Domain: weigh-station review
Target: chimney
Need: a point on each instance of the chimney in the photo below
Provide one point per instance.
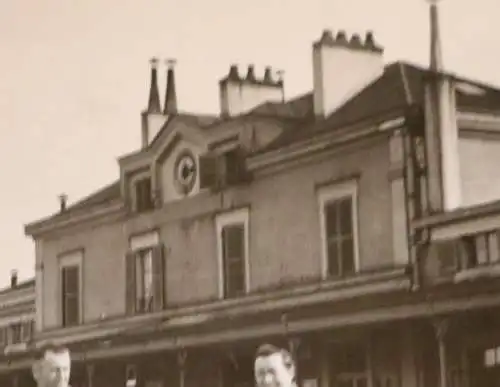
(13, 278)
(152, 117)
(239, 95)
(170, 93)
(63, 199)
(441, 130)
(342, 67)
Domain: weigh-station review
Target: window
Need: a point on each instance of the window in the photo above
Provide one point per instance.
(3, 336)
(478, 250)
(143, 194)
(492, 357)
(145, 274)
(70, 282)
(339, 229)
(351, 367)
(16, 334)
(232, 241)
(28, 328)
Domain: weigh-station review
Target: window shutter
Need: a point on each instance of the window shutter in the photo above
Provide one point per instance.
(208, 170)
(27, 331)
(235, 166)
(130, 292)
(158, 278)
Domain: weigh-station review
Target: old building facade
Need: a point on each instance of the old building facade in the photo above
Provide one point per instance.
(17, 318)
(348, 224)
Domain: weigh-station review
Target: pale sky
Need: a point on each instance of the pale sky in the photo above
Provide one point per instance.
(74, 77)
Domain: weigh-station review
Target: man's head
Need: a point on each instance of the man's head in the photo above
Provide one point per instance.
(52, 366)
(274, 367)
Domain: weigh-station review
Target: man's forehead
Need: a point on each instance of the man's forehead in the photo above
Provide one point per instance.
(267, 360)
(60, 358)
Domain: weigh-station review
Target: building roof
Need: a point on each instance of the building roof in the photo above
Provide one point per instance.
(20, 286)
(401, 85)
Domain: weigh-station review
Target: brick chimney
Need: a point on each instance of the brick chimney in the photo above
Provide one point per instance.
(342, 67)
(240, 94)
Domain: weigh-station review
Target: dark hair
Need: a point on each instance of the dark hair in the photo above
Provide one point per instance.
(269, 349)
(40, 352)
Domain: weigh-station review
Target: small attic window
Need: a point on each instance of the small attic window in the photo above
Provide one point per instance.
(143, 195)
(469, 89)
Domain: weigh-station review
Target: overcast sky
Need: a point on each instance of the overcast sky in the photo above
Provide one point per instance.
(74, 77)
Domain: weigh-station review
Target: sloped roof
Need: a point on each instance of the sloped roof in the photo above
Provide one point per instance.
(400, 85)
(21, 285)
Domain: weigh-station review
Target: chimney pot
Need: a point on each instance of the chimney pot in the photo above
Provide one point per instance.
(327, 37)
(170, 63)
(268, 76)
(341, 37)
(233, 73)
(356, 41)
(63, 198)
(251, 74)
(369, 40)
(170, 104)
(13, 278)
(154, 62)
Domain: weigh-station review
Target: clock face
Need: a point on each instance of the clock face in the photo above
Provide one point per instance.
(185, 172)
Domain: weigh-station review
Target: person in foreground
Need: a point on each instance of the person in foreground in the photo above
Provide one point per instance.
(52, 366)
(274, 367)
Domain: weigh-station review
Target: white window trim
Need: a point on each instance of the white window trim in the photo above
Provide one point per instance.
(74, 258)
(224, 220)
(331, 193)
(145, 240)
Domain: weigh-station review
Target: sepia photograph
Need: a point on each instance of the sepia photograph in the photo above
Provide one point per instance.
(275, 193)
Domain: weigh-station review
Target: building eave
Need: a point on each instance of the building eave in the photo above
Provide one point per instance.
(35, 229)
(323, 141)
(363, 285)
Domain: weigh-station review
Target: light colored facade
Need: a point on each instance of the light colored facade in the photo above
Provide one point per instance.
(311, 222)
(17, 317)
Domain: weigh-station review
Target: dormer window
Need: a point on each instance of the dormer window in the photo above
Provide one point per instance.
(223, 169)
(143, 195)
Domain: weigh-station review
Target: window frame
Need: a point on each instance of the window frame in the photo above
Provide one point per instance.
(233, 218)
(71, 259)
(133, 187)
(332, 193)
(140, 244)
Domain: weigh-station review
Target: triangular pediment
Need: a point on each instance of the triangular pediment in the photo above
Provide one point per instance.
(178, 133)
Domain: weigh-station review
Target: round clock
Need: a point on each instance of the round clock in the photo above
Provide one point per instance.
(185, 171)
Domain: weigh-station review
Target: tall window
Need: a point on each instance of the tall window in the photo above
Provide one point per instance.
(338, 212)
(144, 280)
(145, 275)
(70, 276)
(233, 258)
(232, 229)
(143, 194)
(70, 288)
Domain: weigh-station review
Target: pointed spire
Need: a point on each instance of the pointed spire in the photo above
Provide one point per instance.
(436, 60)
(154, 95)
(170, 93)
